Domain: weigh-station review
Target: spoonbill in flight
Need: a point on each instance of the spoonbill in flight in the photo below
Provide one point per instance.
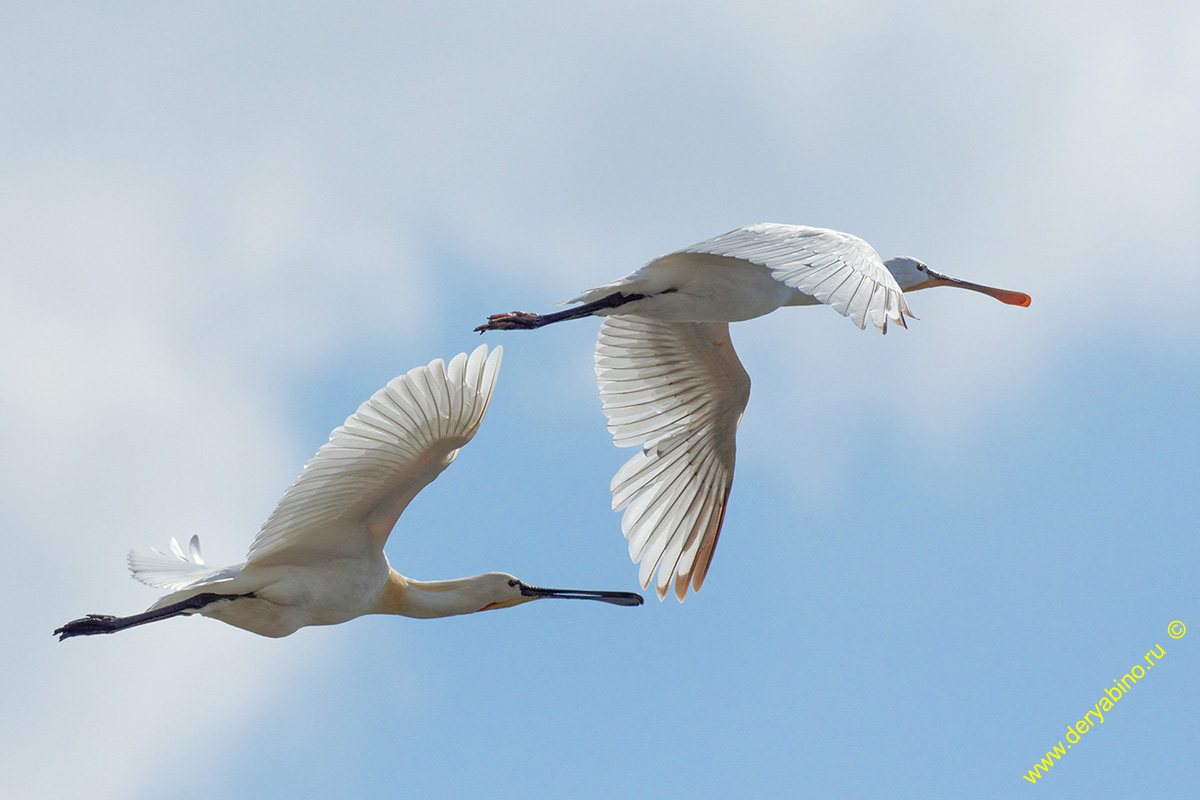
(318, 559)
(672, 384)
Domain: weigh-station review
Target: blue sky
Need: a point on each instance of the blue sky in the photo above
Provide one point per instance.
(222, 228)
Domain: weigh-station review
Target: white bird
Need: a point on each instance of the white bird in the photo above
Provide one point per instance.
(318, 559)
(672, 384)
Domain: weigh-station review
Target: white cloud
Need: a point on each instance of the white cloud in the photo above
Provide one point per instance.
(144, 351)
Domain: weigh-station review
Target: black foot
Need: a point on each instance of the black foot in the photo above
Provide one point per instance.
(91, 624)
(513, 321)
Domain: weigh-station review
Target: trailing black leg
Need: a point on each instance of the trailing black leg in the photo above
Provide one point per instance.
(520, 320)
(104, 623)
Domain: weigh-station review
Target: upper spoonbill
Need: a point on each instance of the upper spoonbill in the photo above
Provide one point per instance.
(671, 382)
(318, 559)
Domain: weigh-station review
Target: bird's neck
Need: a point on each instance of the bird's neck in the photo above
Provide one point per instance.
(427, 599)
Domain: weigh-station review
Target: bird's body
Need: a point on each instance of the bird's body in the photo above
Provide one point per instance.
(672, 384)
(318, 559)
(277, 600)
(755, 270)
(699, 288)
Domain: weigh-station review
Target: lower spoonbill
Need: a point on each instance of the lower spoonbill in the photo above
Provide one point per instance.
(672, 384)
(318, 559)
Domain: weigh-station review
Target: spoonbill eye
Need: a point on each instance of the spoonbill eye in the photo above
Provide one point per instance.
(513, 582)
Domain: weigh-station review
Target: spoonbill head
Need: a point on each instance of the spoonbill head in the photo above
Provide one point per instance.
(673, 387)
(318, 559)
(913, 275)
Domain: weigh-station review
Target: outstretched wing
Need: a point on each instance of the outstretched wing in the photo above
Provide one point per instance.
(678, 390)
(838, 269)
(350, 494)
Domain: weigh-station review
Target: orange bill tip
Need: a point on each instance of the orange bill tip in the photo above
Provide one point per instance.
(1013, 298)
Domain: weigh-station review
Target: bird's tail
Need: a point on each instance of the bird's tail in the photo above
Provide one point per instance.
(171, 571)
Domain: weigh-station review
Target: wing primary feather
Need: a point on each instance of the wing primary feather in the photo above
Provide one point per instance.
(666, 545)
(678, 559)
(455, 374)
(664, 493)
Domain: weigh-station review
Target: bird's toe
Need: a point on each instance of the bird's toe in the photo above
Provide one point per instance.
(86, 626)
(514, 320)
